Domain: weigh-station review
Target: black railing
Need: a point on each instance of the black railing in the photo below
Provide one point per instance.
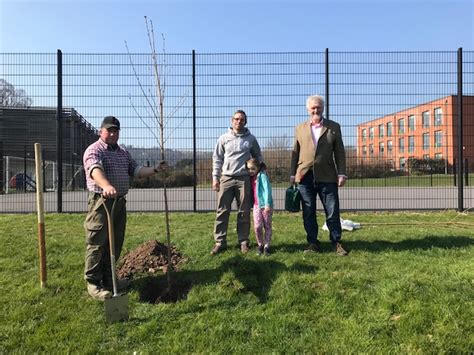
(202, 90)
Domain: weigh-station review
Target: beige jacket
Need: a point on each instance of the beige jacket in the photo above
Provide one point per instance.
(328, 159)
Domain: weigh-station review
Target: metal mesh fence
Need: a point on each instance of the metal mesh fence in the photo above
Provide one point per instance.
(399, 112)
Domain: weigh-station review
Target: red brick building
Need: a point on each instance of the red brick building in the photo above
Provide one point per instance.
(426, 131)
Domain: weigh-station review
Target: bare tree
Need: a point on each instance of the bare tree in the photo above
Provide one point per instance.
(160, 118)
(11, 97)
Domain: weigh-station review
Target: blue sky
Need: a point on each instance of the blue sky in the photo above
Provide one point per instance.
(236, 26)
(220, 26)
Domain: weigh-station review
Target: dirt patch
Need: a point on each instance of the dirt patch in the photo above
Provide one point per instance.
(156, 290)
(150, 257)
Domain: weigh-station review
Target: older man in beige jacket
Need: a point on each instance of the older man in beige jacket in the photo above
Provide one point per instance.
(318, 165)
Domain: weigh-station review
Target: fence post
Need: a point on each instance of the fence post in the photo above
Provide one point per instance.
(44, 172)
(7, 174)
(454, 172)
(59, 131)
(327, 83)
(466, 172)
(194, 136)
(2, 183)
(460, 129)
(23, 185)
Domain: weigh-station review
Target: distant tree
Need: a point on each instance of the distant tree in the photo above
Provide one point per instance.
(279, 143)
(11, 97)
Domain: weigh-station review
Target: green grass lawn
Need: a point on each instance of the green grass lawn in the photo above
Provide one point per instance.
(406, 287)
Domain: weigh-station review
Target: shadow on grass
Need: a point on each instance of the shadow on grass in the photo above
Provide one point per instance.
(255, 276)
(425, 243)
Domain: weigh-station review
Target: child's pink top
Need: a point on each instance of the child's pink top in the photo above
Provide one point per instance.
(253, 180)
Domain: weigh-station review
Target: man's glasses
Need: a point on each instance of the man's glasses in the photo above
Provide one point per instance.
(238, 118)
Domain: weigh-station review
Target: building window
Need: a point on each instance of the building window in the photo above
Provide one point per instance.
(411, 123)
(426, 119)
(364, 135)
(401, 145)
(371, 132)
(401, 126)
(389, 147)
(402, 162)
(381, 130)
(371, 149)
(389, 129)
(411, 144)
(381, 148)
(438, 136)
(438, 116)
(438, 156)
(364, 150)
(426, 156)
(426, 141)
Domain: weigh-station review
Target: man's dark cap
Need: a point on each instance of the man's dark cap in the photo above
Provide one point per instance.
(110, 122)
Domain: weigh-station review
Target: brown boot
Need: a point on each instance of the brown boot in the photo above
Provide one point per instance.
(218, 248)
(340, 250)
(97, 292)
(313, 248)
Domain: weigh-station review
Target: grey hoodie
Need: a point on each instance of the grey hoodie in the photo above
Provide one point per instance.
(232, 151)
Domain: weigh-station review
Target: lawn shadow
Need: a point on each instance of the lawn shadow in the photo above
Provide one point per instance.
(236, 274)
(425, 243)
(288, 247)
(428, 242)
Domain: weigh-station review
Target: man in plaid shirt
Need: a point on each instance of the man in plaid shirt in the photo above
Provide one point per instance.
(109, 169)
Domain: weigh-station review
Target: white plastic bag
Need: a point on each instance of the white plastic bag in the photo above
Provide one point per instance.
(347, 225)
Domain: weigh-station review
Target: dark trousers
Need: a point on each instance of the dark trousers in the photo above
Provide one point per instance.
(97, 269)
(328, 194)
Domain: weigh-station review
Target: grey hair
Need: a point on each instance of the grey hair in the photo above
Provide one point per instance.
(315, 98)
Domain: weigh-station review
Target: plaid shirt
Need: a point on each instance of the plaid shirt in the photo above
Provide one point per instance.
(117, 165)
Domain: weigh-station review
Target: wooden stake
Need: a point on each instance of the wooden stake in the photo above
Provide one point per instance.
(40, 209)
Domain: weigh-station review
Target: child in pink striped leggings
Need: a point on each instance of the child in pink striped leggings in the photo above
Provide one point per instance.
(262, 206)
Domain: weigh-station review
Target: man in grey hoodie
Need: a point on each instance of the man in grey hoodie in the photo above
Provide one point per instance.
(231, 179)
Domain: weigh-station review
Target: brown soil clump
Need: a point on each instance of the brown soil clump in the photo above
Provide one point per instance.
(149, 258)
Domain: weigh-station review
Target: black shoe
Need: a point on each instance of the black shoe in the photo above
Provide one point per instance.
(340, 250)
(266, 251)
(313, 248)
(260, 250)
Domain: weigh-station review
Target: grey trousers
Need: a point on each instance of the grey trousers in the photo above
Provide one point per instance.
(97, 269)
(237, 187)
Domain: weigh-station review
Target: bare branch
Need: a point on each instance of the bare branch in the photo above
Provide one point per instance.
(177, 126)
(155, 114)
(143, 121)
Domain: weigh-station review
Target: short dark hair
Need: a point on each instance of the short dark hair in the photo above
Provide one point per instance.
(241, 112)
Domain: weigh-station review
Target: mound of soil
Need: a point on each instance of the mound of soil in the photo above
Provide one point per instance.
(149, 257)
